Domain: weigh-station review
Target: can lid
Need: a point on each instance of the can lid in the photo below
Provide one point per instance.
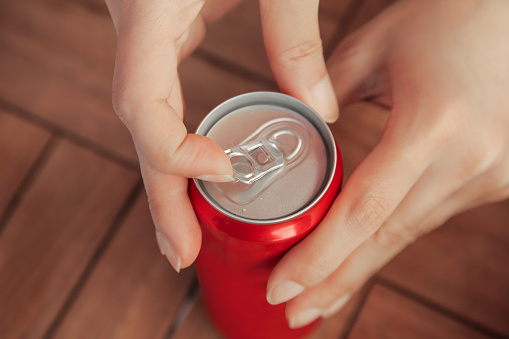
(280, 160)
(264, 157)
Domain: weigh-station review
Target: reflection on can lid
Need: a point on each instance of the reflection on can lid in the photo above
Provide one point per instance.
(280, 159)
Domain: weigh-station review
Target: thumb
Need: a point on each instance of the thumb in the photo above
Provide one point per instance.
(147, 93)
(294, 49)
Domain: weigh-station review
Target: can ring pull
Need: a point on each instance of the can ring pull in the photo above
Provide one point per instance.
(273, 149)
(263, 157)
(253, 160)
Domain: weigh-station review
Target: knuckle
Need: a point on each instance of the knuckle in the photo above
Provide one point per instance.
(482, 155)
(473, 163)
(431, 223)
(164, 156)
(495, 183)
(156, 210)
(369, 212)
(123, 104)
(302, 52)
(446, 126)
(393, 239)
(447, 129)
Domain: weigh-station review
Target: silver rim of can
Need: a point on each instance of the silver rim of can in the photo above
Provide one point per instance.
(284, 101)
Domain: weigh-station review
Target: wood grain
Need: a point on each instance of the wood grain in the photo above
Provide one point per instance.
(133, 291)
(57, 63)
(388, 314)
(462, 266)
(20, 145)
(205, 85)
(72, 267)
(53, 234)
(197, 324)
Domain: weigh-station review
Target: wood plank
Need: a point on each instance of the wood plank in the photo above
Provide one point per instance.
(205, 85)
(133, 285)
(57, 62)
(357, 131)
(197, 324)
(97, 6)
(69, 83)
(388, 314)
(336, 8)
(462, 266)
(237, 38)
(337, 324)
(53, 234)
(20, 145)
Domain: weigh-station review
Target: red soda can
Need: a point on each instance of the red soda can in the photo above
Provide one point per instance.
(288, 172)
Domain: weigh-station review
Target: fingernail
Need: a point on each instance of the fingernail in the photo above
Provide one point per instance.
(216, 178)
(305, 317)
(168, 251)
(284, 292)
(336, 306)
(324, 100)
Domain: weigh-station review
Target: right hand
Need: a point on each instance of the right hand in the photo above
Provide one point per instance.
(152, 38)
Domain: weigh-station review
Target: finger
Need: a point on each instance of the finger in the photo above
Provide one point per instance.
(332, 294)
(368, 199)
(146, 77)
(446, 188)
(459, 179)
(486, 189)
(489, 186)
(355, 68)
(409, 221)
(177, 229)
(215, 9)
(294, 48)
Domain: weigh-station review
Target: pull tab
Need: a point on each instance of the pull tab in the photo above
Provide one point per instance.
(263, 157)
(255, 159)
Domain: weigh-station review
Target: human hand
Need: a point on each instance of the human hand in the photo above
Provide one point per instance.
(153, 37)
(442, 67)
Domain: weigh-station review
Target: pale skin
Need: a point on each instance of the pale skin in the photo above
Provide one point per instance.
(441, 67)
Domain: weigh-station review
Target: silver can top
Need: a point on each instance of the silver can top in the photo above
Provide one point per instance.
(282, 154)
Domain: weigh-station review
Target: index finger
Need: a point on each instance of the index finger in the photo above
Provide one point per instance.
(368, 199)
(294, 47)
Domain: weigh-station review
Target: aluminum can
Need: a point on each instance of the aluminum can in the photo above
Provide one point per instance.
(288, 172)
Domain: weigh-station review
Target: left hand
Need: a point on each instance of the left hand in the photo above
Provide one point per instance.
(152, 39)
(442, 67)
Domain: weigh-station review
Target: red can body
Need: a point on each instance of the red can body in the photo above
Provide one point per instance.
(237, 258)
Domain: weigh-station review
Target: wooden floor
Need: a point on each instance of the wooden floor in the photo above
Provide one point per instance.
(78, 256)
